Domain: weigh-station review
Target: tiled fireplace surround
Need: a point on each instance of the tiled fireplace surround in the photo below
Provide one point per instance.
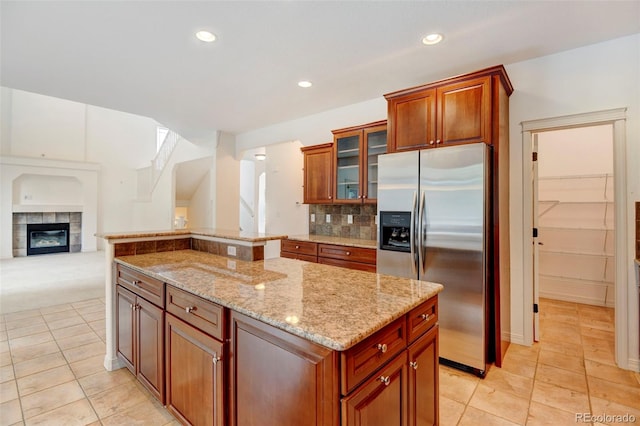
(21, 220)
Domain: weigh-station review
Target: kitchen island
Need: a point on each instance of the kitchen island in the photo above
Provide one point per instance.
(224, 341)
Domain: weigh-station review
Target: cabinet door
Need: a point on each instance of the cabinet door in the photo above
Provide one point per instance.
(150, 347)
(194, 366)
(423, 380)
(464, 112)
(125, 336)
(412, 121)
(380, 401)
(348, 146)
(374, 144)
(318, 175)
(280, 379)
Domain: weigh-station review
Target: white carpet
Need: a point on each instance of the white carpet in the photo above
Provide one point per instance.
(53, 279)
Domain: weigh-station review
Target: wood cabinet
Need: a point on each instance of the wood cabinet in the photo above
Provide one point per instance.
(299, 250)
(318, 174)
(195, 376)
(356, 162)
(422, 380)
(454, 111)
(280, 379)
(195, 359)
(140, 339)
(360, 258)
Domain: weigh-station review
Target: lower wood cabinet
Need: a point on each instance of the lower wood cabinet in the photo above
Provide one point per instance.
(280, 379)
(140, 339)
(381, 400)
(360, 258)
(423, 380)
(195, 374)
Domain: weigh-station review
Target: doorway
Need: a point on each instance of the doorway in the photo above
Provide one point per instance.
(573, 212)
(626, 338)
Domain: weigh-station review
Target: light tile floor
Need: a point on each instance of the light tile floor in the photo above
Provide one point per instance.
(51, 372)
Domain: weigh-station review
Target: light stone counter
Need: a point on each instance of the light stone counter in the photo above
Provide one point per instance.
(324, 239)
(249, 237)
(334, 307)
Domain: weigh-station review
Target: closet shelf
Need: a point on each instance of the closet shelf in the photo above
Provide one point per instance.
(578, 253)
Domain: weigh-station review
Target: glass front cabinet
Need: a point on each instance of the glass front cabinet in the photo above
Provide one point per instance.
(356, 162)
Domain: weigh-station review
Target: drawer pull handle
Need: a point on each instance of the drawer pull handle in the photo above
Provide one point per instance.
(425, 317)
(414, 365)
(132, 306)
(136, 283)
(190, 309)
(382, 347)
(297, 247)
(385, 379)
(216, 359)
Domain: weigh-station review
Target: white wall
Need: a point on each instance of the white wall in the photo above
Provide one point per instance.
(285, 213)
(51, 129)
(227, 185)
(593, 78)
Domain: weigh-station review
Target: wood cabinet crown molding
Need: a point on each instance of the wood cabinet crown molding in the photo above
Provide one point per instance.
(497, 70)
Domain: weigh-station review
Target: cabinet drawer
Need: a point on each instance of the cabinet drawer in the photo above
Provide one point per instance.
(297, 256)
(141, 284)
(299, 247)
(362, 360)
(353, 254)
(422, 318)
(200, 313)
(346, 264)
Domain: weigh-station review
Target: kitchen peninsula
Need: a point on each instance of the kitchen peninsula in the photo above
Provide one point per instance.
(268, 341)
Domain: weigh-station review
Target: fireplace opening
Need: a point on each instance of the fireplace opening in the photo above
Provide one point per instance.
(45, 238)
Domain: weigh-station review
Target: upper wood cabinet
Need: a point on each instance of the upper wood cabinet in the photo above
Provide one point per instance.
(454, 111)
(318, 174)
(356, 162)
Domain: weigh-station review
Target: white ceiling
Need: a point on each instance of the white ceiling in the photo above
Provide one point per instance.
(141, 56)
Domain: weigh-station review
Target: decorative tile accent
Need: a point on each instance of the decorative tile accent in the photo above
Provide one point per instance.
(363, 227)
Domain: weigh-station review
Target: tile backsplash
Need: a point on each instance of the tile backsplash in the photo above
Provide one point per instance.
(363, 227)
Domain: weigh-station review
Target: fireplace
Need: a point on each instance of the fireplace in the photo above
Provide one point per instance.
(47, 238)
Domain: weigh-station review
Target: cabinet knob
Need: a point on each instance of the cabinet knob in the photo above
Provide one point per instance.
(131, 306)
(430, 142)
(216, 359)
(136, 283)
(297, 247)
(425, 317)
(438, 141)
(348, 253)
(382, 347)
(137, 306)
(414, 365)
(385, 379)
(190, 309)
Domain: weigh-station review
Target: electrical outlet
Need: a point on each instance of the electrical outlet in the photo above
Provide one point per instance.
(327, 218)
(231, 250)
(313, 217)
(375, 219)
(349, 218)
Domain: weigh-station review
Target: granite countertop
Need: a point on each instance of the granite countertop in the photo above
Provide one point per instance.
(334, 307)
(209, 232)
(352, 242)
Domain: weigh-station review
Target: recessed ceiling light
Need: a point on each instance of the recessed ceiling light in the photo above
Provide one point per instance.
(432, 39)
(260, 157)
(206, 36)
(305, 83)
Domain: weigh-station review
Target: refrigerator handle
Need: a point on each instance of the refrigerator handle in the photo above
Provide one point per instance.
(422, 221)
(413, 232)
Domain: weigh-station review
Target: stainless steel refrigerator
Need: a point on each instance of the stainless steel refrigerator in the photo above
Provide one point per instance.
(433, 211)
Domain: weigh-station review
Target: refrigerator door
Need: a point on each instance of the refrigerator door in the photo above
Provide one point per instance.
(452, 246)
(397, 192)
